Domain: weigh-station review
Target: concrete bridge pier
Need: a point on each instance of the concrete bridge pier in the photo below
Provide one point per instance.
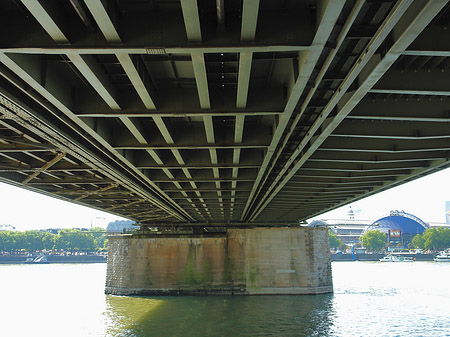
(249, 261)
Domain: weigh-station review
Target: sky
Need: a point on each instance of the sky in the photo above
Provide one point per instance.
(27, 210)
(424, 198)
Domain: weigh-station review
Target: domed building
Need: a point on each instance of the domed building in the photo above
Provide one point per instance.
(400, 227)
(119, 226)
(348, 230)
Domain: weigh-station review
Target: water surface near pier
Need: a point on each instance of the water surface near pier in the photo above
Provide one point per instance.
(370, 299)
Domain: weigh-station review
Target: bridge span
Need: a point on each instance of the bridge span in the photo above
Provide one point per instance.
(222, 113)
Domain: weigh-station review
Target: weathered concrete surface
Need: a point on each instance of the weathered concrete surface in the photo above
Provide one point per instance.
(245, 261)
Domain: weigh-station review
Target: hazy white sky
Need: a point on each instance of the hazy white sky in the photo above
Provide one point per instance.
(424, 198)
(28, 210)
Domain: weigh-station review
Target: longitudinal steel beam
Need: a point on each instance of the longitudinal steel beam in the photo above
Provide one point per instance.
(262, 115)
(109, 31)
(84, 64)
(431, 82)
(87, 66)
(191, 20)
(193, 33)
(376, 161)
(250, 10)
(249, 24)
(41, 15)
(245, 67)
(410, 92)
(403, 119)
(405, 32)
(198, 63)
(62, 106)
(321, 75)
(103, 20)
(437, 53)
(328, 13)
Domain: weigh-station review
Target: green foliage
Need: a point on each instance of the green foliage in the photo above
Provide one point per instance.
(76, 240)
(373, 240)
(29, 240)
(334, 241)
(418, 241)
(70, 240)
(100, 238)
(433, 239)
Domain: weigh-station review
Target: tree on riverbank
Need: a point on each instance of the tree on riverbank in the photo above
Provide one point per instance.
(68, 240)
(373, 240)
(75, 240)
(28, 241)
(100, 238)
(334, 241)
(433, 239)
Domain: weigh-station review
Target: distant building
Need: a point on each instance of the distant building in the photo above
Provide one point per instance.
(7, 228)
(347, 230)
(119, 226)
(52, 230)
(447, 212)
(351, 214)
(438, 225)
(400, 227)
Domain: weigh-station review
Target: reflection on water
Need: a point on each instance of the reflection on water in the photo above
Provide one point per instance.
(124, 313)
(370, 299)
(221, 316)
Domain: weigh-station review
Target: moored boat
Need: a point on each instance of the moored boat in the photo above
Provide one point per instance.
(443, 256)
(396, 258)
(39, 259)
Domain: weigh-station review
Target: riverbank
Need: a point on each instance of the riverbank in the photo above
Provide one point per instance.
(19, 259)
(377, 257)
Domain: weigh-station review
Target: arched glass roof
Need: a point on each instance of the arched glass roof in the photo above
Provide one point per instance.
(406, 222)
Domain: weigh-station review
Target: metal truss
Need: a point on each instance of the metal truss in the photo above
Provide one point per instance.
(235, 113)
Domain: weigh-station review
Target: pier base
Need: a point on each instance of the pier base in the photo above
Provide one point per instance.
(251, 261)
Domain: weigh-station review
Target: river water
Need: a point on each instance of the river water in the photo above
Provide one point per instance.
(369, 299)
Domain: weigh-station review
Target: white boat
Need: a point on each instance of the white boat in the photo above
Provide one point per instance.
(443, 256)
(39, 259)
(396, 258)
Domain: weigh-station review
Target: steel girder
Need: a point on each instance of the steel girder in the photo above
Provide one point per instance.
(264, 113)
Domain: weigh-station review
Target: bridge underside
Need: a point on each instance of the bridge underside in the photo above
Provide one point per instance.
(222, 112)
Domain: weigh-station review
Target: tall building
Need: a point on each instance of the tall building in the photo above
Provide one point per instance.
(447, 212)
